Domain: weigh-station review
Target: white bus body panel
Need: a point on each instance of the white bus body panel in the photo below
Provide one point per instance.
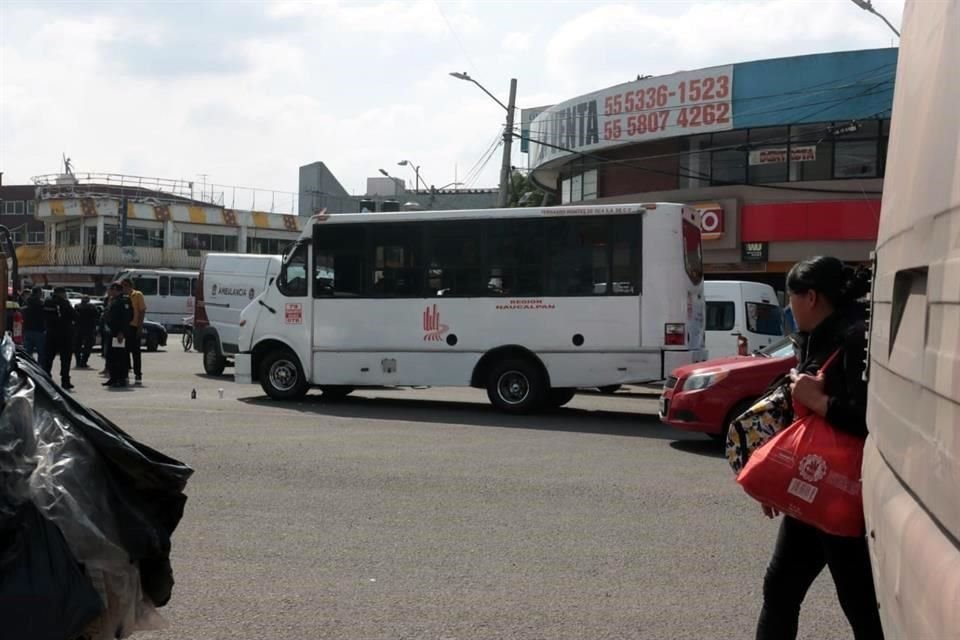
(911, 473)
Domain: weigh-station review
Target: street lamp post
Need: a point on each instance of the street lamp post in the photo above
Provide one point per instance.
(867, 6)
(503, 195)
(416, 171)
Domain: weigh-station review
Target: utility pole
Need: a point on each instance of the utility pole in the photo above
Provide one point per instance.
(507, 148)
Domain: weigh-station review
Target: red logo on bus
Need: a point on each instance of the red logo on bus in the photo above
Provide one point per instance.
(433, 331)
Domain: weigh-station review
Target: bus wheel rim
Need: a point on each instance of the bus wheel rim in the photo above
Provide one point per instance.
(283, 375)
(513, 387)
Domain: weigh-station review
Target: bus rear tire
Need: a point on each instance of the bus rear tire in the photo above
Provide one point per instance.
(561, 396)
(281, 376)
(517, 386)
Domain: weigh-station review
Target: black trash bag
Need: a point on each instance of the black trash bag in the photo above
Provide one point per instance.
(44, 593)
(116, 501)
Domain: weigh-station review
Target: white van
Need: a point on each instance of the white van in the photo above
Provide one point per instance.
(228, 282)
(741, 317)
(169, 294)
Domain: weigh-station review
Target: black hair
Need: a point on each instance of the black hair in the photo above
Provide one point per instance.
(842, 285)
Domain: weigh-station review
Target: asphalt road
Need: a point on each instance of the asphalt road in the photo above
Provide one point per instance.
(426, 514)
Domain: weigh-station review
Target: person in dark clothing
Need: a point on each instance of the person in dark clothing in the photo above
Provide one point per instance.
(823, 297)
(88, 318)
(59, 315)
(117, 318)
(34, 325)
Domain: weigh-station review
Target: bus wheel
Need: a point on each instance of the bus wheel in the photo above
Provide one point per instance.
(334, 393)
(561, 396)
(516, 386)
(213, 362)
(282, 377)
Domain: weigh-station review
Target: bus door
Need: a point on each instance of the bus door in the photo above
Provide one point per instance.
(291, 305)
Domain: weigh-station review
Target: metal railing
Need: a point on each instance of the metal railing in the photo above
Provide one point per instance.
(92, 184)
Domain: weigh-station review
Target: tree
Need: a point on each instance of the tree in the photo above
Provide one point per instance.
(523, 191)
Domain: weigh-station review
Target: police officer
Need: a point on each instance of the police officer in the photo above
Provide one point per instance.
(59, 316)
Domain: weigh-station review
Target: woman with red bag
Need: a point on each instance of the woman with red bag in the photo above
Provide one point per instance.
(823, 297)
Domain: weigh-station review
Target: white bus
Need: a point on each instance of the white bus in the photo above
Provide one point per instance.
(170, 295)
(911, 467)
(515, 301)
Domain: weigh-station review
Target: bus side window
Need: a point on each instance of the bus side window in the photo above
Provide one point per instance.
(179, 286)
(293, 276)
(164, 285)
(146, 285)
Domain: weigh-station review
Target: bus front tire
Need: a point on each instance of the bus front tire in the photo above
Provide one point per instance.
(281, 376)
(517, 386)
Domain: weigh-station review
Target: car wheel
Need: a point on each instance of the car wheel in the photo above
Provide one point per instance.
(213, 362)
(516, 386)
(610, 389)
(334, 393)
(737, 411)
(281, 376)
(561, 396)
(153, 343)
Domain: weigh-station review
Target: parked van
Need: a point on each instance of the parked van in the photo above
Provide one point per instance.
(169, 294)
(228, 282)
(741, 317)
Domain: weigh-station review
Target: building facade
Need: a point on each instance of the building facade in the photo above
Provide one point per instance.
(89, 239)
(784, 157)
(17, 213)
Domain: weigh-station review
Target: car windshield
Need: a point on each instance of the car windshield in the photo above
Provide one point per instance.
(779, 349)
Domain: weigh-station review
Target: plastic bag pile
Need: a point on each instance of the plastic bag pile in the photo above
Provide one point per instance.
(86, 515)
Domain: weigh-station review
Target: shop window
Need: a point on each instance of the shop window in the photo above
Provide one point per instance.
(811, 152)
(694, 162)
(855, 158)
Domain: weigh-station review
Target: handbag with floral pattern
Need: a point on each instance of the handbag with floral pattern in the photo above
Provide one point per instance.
(764, 419)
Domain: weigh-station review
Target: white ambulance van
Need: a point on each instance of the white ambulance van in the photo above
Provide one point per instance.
(228, 282)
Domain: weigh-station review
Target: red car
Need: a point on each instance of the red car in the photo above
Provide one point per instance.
(707, 396)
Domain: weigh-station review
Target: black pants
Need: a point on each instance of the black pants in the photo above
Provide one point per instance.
(132, 339)
(801, 553)
(118, 362)
(61, 346)
(84, 346)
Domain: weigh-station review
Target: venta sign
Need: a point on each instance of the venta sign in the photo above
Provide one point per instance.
(679, 104)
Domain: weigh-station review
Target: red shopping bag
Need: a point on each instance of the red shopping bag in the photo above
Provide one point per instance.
(810, 471)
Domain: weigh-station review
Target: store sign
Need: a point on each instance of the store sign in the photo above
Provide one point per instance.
(664, 107)
(806, 153)
(711, 220)
(754, 251)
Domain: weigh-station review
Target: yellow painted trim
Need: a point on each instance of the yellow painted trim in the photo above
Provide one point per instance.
(261, 220)
(198, 215)
(56, 208)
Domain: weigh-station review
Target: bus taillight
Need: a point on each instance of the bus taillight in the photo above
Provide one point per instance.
(675, 334)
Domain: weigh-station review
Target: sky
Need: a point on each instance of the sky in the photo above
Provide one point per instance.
(244, 93)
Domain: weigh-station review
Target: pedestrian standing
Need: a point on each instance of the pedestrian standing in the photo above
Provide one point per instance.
(135, 329)
(88, 317)
(823, 297)
(105, 332)
(117, 318)
(35, 326)
(59, 316)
